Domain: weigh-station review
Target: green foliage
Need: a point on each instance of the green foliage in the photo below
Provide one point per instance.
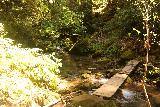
(27, 75)
(49, 24)
(153, 74)
(98, 46)
(2, 31)
(104, 59)
(110, 27)
(41, 22)
(41, 69)
(20, 91)
(82, 47)
(113, 50)
(124, 21)
(128, 54)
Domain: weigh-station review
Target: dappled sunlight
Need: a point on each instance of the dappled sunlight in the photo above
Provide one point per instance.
(28, 77)
(63, 85)
(1, 28)
(82, 82)
(100, 5)
(21, 91)
(101, 80)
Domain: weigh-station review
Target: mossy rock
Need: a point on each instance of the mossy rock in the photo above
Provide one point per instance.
(86, 100)
(86, 76)
(88, 85)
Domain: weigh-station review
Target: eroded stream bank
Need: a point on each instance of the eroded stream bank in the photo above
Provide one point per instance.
(87, 74)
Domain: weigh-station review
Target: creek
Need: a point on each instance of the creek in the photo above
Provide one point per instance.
(129, 95)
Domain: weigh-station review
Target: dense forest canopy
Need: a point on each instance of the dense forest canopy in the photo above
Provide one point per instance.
(83, 26)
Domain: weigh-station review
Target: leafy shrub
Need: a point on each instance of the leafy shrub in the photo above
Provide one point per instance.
(123, 22)
(26, 73)
(12, 92)
(40, 68)
(98, 46)
(153, 73)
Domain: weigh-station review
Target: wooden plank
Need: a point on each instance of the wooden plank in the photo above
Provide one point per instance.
(112, 85)
(129, 67)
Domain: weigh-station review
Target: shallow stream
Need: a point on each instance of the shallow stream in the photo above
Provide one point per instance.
(129, 95)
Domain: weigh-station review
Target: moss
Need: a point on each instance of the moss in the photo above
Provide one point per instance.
(92, 101)
(89, 103)
(128, 54)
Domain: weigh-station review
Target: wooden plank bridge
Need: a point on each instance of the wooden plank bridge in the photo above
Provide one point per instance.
(108, 89)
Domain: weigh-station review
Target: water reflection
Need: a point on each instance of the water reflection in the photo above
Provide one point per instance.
(128, 94)
(130, 98)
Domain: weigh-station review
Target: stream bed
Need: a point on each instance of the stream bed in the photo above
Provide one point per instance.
(129, 95)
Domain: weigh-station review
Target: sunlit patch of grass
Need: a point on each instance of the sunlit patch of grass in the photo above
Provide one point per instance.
(1, 27)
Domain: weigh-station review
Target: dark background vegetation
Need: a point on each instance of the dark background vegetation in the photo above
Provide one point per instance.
(76, 27)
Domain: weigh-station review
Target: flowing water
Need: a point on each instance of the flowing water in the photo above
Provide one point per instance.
(129, 95)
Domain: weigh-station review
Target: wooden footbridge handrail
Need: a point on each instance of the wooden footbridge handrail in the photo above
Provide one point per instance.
(108, 89)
